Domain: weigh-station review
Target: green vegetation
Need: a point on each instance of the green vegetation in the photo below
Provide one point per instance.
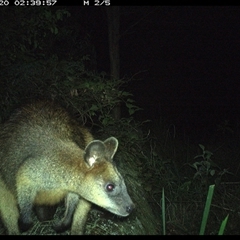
(205, 213)
(188, 180)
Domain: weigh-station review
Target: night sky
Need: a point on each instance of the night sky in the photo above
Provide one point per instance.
(186, 61)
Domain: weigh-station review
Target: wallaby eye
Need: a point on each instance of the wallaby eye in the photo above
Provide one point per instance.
(110, 187)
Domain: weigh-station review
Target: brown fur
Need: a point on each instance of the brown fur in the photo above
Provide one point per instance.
(8, 209)
(46, 157)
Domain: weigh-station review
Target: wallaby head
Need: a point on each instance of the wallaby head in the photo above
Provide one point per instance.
(104, 185)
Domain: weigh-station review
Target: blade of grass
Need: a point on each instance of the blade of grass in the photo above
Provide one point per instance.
(206, 210)
(223, 225)
(163, 213)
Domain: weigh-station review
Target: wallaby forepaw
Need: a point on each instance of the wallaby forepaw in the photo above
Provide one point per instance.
(60, 227)
(24, 226)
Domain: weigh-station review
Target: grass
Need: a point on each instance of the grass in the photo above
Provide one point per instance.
(205, 213)
(187, 171)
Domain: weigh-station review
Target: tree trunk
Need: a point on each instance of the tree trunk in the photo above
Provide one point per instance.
(113, 39)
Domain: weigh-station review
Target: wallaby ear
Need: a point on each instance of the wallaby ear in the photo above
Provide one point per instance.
(111, 145)
(98, 149)
(93, 151)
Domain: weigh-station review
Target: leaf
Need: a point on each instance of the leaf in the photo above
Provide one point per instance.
(223, 226)
(131, 111)
(208, 153)
(206, 209)
(212, 172)
(48, 14)
(198, 156)
(201, 146)
(196, 164)
(125, 94)
(185, 186)
(94, 108)
(130, 100)
(196, 174)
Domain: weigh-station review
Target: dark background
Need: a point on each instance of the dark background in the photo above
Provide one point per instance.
(185, 60)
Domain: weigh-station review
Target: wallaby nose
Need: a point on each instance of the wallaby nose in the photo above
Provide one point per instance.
(130, 208)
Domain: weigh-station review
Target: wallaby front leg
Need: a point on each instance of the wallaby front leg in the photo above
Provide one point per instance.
(26, 194)
(25, 220)
(9, 210)
(80, 217)
(71, 202)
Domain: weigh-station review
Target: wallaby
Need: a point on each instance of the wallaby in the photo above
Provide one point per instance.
(46, 156)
